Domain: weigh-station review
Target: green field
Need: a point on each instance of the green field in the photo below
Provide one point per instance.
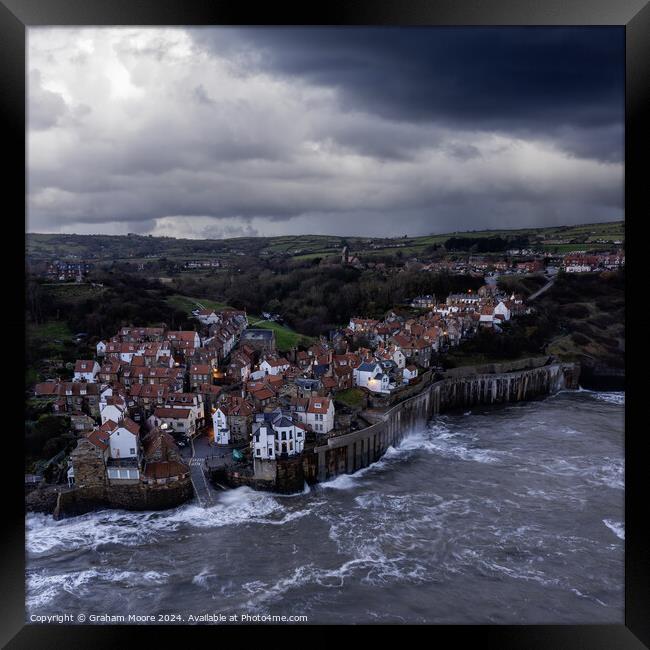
(187, 304)
(50, 337)
(285, 337)
(136, 248)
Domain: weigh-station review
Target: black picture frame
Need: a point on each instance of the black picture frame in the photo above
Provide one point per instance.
(18, 15)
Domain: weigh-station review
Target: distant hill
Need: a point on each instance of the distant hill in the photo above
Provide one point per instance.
(143, 248)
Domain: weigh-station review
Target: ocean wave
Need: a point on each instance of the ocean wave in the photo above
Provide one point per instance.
(43, 588)
(375, 571)
(617, 527)
(347, 481)
(120, 527)
(612, 397)
(606, 471)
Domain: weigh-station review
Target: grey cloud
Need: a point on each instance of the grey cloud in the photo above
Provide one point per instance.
(296, 148)
(45, 108)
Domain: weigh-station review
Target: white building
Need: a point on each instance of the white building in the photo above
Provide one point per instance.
(207, 316)
(221, 429)
(502, 309)
(123, 449)
(319, 414)
(371, 376)
(263, 441)
(399, 358)
(86, 371)
(274, 366)
(408, 373)
(282, 436)
(101, 349)
(115, 410)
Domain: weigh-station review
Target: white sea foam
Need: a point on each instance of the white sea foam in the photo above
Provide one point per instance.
(577, 592)
(201, 579)
(42, 588)
(617, 527)
(613, 397)
(606, 471)
(93, 530)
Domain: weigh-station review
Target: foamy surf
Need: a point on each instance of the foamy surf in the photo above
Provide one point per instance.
(43, 588)
(124, 528)
(617, 527)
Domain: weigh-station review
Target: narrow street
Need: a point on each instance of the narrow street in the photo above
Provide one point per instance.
(195, 455)
(200, 455)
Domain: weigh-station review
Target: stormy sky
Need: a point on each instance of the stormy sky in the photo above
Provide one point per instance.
(224, 132)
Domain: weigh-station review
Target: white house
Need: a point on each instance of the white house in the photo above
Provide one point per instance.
(320, 414)
(114, 409)
(274, 365)
(221, 429)
(207, 316)
(399, 358)
(486, 318)
(124, 438)
(365, 372)
(122, 444)
(127, 352)
(281, 436)
(410, 372)
(101, 348)
(371, 376)
(502, 309)
(86, 370)
(263, 441)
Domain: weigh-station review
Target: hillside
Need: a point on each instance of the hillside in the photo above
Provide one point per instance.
(144, 249)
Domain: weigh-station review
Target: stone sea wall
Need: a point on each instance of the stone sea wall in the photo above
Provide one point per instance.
(134, 496)
(460, 388)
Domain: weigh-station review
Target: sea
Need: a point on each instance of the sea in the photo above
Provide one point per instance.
(510, 514)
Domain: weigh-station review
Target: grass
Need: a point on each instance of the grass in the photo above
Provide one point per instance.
(187, 304)
(50, 335)
(285, 337)
(72, 292)
(352, 397)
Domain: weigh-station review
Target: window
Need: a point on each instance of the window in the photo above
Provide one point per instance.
(259, 452)
(132, 450)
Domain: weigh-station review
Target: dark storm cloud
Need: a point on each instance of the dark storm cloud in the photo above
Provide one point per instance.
(222, 132)
(542, 82)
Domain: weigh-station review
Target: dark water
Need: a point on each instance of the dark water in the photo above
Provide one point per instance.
(502, 515)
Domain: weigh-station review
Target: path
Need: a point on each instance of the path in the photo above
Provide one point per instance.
(202, 488)
(547, 286)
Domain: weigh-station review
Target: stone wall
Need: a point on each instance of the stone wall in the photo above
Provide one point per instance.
(353, 451)
(290, 476)
(133, 496)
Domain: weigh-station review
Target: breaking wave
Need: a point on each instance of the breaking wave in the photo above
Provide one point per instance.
(617, 527)
(43, 588)
(118, 527)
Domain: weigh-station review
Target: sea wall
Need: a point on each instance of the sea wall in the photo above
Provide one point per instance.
(134, 496)
(463, 388)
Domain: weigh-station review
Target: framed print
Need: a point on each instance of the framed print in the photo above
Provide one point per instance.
(325, 320)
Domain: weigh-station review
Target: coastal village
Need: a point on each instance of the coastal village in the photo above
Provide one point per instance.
(166, 412)
(150, 393)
